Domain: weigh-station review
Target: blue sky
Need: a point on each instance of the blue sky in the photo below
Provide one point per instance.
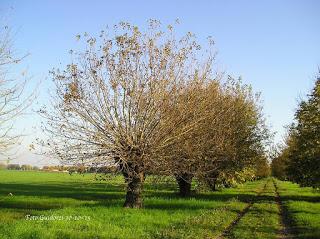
(273, 45)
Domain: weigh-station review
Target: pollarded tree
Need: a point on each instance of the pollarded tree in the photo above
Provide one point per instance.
(180, 156)
(113, 104)
(206, 107)
(214, 143)
(229, 136)
(245, 139)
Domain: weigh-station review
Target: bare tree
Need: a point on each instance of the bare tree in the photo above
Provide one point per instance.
(117, 102)
(12, 103)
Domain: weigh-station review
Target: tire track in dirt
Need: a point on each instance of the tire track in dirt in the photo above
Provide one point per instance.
(285, 231)
(241, 214)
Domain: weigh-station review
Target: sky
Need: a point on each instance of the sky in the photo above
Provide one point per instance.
(273, 45)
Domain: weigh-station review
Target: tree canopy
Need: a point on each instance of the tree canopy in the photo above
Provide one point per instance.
(300, 158)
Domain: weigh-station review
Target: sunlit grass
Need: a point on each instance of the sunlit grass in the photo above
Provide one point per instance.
(165, 215)
(303, 207)
(262, 220)
(39, 193)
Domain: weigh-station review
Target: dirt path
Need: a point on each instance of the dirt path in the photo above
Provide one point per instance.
(241, 214)
(285, 232)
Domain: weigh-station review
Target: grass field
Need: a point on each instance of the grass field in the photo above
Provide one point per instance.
(302, 204)
(77, 206)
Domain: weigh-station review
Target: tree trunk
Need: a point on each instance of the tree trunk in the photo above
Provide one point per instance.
(134, 180)
(212, 185)
(184, 182)
(212, 180)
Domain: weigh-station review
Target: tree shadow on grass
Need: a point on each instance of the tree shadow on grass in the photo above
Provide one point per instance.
(300, 231)
(172, 201)
(55, 196)
(301, 198)
(108, 195)
(101, 194)
(67, 190)
(30, 205)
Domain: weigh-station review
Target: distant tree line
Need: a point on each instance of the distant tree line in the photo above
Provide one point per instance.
(61, 168)
(80, 169)
(299, 159)
(23, 167)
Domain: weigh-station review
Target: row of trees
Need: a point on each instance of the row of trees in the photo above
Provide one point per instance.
(145, 103)
(58, 168)
(299, 159)
(149, 103)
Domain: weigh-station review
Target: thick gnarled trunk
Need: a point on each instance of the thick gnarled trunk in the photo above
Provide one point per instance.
(134, 178)
(134, 191)
(184, 182)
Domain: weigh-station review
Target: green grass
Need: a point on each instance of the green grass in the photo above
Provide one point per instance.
(165, 215)
(262, 219)
(303, 208)
(211, 223)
